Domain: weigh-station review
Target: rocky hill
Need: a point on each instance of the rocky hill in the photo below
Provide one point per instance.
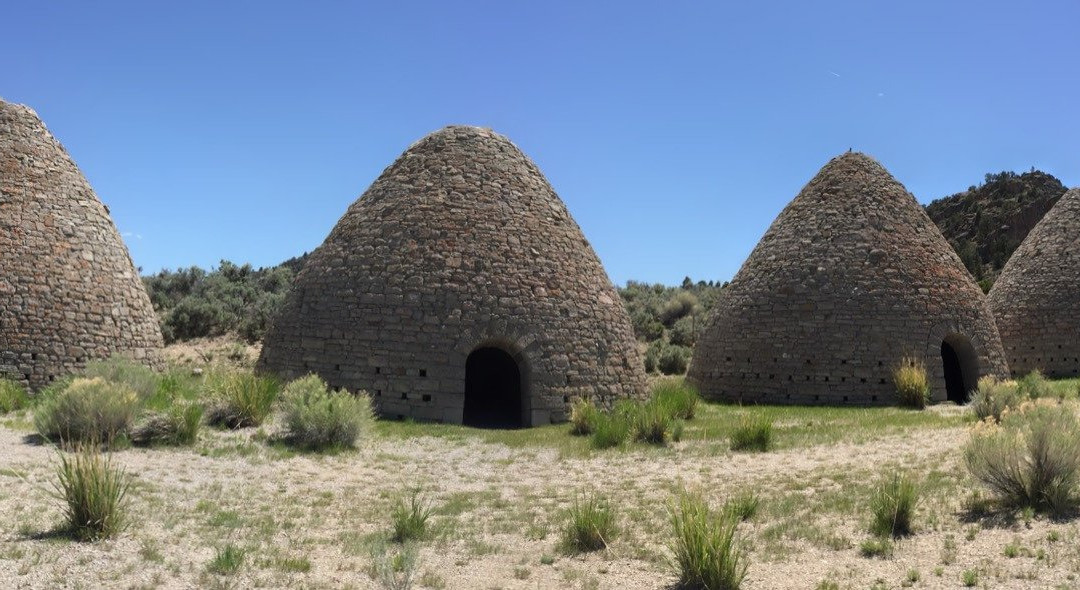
(986, 223)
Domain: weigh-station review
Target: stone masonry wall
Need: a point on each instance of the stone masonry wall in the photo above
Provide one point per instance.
(851, 277)
(461, 243)
(69, 292)
(1036, 300)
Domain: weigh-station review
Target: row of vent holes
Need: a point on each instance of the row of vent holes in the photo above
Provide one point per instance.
(810, 378)
(808, 361)
(817, 398)
(1039, 360)
(425, 397)
(378, 370)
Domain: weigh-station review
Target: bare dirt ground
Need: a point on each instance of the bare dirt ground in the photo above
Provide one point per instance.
(312, 521)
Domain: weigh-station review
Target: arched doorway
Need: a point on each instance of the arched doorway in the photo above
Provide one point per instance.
(492, 389)
(961, 365)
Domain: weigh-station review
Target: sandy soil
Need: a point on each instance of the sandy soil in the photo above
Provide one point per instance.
(498, 516)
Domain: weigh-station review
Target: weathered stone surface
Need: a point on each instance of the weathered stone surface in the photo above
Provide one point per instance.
(1036, 300)
(461, 243)
(850, 277)
(69, 292)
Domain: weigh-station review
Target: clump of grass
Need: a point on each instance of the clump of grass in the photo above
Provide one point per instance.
(993, 397)
(892, 506)
(744, 506)
(876, 547)
(227, 560)
(609, 430)
(753, 433)
(912, 386)
(117, 369)
(178, 425)
(12, 396)
(591, 525)
(318, 419)
(649, 422)
(583, 415)
(241, 399)
(1031, 459)
(87, 411)
(94, 494)
(706, 552)
(678, 398)
(409, 519)
(970, 578)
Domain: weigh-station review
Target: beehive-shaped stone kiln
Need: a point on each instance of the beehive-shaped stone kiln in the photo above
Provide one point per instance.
(458, 288)
(1036, 300)
(850, 279)
(69, 292)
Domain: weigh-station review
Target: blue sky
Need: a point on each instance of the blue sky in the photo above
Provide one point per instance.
(674, 131)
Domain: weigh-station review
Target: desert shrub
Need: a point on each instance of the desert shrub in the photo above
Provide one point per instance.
(1031, 459)
(87, 411)
(1034, 386)
(652, 356)
(684, 332)
(912, 386)
(679, 399)
(706, 552)
(673, 360)
(646, 325)
(409, 518)
(227, 560)
(609, 430)
(139, 378)
(12, 396)
(93, 493)
(681, 305)
(892, 506)
(591, 525)
(178, 425)
(583, 415)
(743, 506)
(394, 569)
(753, 433)
(993, 396)
(317, 418)
(240, 399)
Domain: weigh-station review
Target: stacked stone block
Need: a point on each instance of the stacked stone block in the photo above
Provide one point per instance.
(849, 279)
(1036, 300)
(69, 292)
(461, 243)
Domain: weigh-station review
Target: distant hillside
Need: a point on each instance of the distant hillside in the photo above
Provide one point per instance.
(986, 223)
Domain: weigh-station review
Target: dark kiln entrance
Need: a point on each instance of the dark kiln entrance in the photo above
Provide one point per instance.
(492, 389)
(961, 366)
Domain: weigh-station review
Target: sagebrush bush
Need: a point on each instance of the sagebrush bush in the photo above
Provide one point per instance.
(1031, 459)
(706, 552)
(240, 399)
(892, 506)
(610, 429)
(993, 396)
(583, 415)
(87, 411)
(409, 518)
(673, 360)
(1034, 386)
(912, 386)
(753, 433)
(317, 418)
(679, 399)
(591, 525)
(177, 425)
(93, 492)
(12, 396)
